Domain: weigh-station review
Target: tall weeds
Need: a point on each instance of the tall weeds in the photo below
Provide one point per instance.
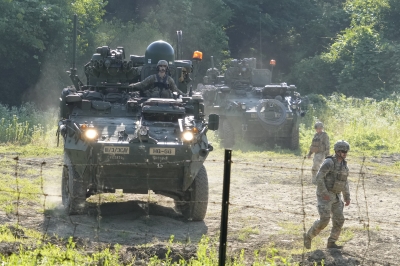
(27, 125)
(370, 126)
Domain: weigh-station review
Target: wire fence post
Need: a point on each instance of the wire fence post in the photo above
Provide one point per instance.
(225, 207)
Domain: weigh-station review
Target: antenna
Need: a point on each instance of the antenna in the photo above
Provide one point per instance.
(72, 73)
(261, 64)
(179, 45)
(73, 69)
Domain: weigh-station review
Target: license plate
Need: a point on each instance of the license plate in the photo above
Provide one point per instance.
(116, 150)
(162, 151)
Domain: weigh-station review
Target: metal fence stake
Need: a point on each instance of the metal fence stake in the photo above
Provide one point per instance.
(225, 207)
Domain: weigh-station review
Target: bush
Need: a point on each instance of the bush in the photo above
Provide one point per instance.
(369, 125)
(27, 125)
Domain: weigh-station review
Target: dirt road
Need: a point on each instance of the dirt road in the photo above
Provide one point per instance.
(272, 202)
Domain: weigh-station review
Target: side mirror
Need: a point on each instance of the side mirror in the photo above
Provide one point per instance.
(213, 122)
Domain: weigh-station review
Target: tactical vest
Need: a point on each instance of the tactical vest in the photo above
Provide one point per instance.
(336, 178)
(162, 87)
(316, 144)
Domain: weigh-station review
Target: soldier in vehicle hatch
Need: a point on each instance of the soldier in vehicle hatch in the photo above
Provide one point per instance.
(332, 182)
(320, 146)
(159, 85)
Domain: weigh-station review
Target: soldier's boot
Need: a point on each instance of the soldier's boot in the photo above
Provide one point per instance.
(333, 245)
(307, 241)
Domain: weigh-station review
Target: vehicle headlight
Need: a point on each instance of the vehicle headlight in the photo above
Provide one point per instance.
(188, 135)
(294, 106)
(91, 133)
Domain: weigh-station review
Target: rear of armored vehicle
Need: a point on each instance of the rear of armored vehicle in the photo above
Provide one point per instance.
(114, 138)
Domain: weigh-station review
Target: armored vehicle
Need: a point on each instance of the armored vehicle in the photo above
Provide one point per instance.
(251, 107)
(115, 138)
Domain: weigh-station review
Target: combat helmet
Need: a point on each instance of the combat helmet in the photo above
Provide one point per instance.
(341, 145)
(162, 62)
(319, 125)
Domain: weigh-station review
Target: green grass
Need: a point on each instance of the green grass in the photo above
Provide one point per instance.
(244, 233)
(30, 150)
(107, 198)
(289, 228)
(16, 188)
(34, 249)
(28, 131)
(371, 127)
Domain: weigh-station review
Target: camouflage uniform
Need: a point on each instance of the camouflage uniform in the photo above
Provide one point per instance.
(332, 181)
(158, 87)
(320, 146)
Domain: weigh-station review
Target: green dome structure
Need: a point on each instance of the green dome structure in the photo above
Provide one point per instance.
(159, 50)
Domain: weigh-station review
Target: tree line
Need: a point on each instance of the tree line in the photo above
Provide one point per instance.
(322, 46)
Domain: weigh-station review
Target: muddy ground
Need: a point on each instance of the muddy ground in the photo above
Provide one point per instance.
(272, 202)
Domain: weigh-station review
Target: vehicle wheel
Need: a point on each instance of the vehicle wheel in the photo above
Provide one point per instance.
(228, 135)
(294, 141)
(73, 190)
(196, 205)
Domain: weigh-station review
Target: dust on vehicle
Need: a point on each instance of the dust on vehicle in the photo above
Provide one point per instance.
(251, 107)
(115, 138)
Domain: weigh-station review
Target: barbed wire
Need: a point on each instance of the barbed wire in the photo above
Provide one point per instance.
(20, 214)
(271, 165)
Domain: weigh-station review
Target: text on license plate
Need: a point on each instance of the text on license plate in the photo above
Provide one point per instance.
(116, 150)
(162, 151)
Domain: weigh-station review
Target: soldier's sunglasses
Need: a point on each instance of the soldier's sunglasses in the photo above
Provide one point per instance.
(343, 151)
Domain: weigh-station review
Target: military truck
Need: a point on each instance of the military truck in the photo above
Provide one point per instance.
(114, 138)
(251, 107)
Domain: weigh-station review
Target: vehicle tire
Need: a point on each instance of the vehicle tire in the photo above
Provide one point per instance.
(228, 135)
(294, 141)
(73, 190)
(196, 207)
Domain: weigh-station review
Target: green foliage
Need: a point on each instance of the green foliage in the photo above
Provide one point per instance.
(389, 25)
(34, 30)
(272, 258)
(49, 254)
(26, 125)
(134, 37)
(365, 12)
(347, 46)
(287, 30)
(371, 127)
(313, 75)
(202, 24)
(361, 61)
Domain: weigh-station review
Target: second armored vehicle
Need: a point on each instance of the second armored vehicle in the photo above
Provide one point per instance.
(251, 107)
